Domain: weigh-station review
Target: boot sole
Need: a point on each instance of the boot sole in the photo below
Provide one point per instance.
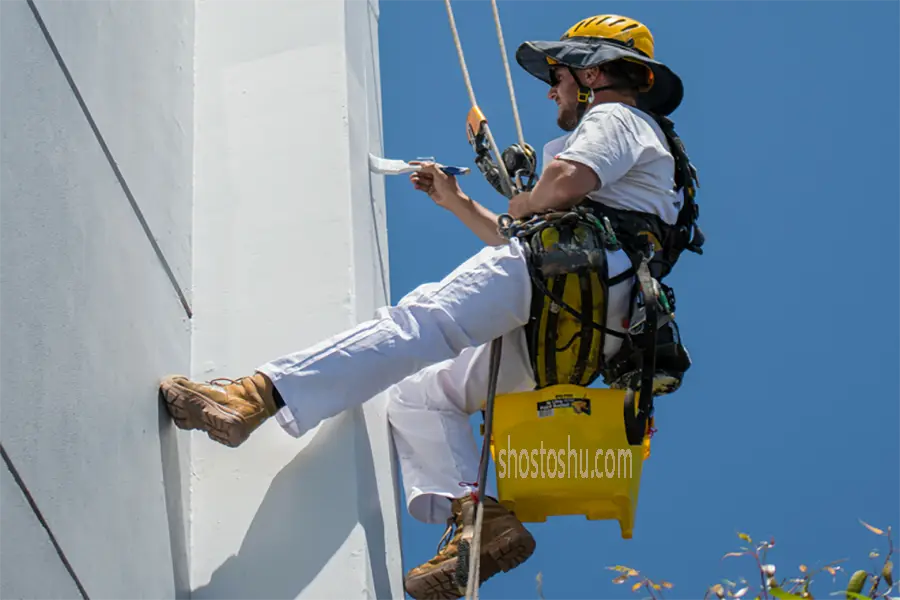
(503, 553)
(190, 410)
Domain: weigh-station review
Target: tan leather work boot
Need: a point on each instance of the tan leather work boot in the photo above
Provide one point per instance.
(505, 544)
(227, 413)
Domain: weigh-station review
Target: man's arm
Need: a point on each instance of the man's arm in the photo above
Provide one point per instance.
(562, 185)
(479, 219)
(446, 193)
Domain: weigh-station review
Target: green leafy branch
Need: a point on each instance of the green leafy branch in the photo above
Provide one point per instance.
(653, 587)
(792, 588)
(885, 575)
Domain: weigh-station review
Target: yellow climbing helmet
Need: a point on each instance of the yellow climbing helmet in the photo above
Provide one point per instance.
(614, 27)
(601, 39)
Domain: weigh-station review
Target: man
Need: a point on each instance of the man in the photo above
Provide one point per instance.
(430, 350)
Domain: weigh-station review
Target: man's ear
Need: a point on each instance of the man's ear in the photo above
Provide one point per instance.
(591, 76)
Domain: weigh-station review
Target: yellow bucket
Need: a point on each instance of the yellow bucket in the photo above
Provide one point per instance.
(563, 450)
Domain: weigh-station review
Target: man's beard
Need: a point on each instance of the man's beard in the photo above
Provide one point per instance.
(567, 119)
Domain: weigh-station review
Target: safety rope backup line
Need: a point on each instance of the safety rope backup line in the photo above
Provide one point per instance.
(474, 575)
(470, 89)
(475, 548)
(509, 83)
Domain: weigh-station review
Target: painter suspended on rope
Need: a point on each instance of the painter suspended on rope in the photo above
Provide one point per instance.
(518, 314)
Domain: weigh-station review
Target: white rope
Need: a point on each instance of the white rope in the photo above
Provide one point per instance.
(459, 52)
(509, 82)
(475, 554)
(465, 71)
(474, 576)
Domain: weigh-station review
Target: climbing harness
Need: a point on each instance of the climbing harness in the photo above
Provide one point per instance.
(566, 254)
(566, 257)
(670, 241)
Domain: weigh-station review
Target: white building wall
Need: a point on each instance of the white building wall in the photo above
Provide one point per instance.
(195, 200)
(90, 315)
(288, 224)
(27, 546)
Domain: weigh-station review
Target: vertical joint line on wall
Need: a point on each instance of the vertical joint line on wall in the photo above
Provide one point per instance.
(112, 163)
(370, 7)
(40, 517)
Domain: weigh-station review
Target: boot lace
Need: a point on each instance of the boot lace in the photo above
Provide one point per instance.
(445, 539)
(226, 380)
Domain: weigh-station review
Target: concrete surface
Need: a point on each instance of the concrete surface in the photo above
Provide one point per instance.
(185, 189)
(289, 247)
(90, 317)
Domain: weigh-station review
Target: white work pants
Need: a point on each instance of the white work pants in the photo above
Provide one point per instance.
(431, 351)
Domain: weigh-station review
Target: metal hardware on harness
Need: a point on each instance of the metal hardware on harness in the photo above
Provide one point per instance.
(655, 306)
(507, 181)
(510, 228)
(521, 165)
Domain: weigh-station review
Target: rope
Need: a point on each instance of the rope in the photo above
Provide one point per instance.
(475, 548)
(475, 556)
(470, 89)
(509, 83)
(459, 52)
(474, 575)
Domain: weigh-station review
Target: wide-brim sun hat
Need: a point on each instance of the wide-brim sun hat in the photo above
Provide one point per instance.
(602, 39)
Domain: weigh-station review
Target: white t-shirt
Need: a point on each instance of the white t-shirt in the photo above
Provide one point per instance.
(628, 151)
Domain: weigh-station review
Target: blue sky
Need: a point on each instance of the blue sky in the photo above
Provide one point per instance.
(787, 424)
